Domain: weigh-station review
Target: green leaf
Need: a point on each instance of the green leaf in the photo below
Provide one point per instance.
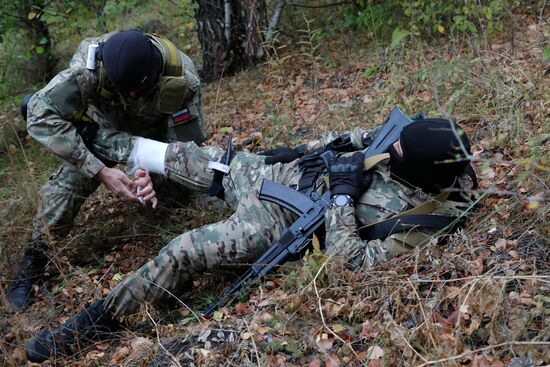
(43, 41)
(397, 36)
(218, 315)
(546, 56)
(370, 71)
(40, 50)
(186, 320)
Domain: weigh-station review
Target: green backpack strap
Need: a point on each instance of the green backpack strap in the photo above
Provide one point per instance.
(173, 63)
(103, 90)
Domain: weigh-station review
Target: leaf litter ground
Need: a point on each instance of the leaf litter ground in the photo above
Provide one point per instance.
(479, 298)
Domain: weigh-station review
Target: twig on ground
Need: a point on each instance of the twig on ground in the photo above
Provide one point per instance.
(253, 343)
(158, 338)
(481, 350)
(427, 321)
(177, 299)
(319, 300)
(406, 341)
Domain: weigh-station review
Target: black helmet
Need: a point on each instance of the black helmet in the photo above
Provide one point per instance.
(131, 61)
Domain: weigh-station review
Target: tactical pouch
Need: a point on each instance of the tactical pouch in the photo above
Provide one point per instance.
(172, 91)
(188, 131)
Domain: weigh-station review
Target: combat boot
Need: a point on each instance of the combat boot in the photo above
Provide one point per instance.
(21, 292)
(94, 322)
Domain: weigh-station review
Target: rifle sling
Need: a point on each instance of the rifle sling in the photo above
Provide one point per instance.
(388, 227)
(418, 216)
(374, 160)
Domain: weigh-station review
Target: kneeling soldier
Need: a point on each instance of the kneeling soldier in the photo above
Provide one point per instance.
(118, 86)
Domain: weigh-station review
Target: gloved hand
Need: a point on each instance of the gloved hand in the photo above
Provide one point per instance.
(346, 175)
(283, 155)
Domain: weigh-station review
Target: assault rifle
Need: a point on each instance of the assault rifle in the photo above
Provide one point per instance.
(311, 215)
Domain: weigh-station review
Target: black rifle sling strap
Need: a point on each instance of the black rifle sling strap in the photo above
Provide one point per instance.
(419, 216)
(395, 225)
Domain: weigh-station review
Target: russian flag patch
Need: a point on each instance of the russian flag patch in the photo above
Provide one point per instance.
(181, 117)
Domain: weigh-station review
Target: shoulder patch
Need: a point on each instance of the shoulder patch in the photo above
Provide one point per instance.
(182, 116)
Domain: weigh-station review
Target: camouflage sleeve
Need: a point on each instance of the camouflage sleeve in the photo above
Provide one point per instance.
(109, 143)
(193, 99)
(49, 114)
(113, 145)
(342, 239)
(356, 137)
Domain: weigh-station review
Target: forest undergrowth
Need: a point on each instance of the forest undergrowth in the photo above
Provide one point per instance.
(481, 298)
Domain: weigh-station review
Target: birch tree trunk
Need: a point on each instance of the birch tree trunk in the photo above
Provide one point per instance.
(230, 34)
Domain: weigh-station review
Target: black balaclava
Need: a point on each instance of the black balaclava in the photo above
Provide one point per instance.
(432, 155)
(131, 61)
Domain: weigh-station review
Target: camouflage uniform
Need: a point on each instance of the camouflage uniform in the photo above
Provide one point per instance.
(78, 95)
(256, 224)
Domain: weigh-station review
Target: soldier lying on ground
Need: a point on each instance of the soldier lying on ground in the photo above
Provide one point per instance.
(133, 84)
(427, 158)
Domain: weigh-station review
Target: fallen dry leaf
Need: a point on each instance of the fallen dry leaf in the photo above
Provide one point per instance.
(139, 344)
(375, 352)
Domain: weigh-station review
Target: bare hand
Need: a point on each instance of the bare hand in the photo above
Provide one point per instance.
(117, 181)
(145, 189)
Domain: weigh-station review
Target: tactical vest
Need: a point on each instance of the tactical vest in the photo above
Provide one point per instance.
(398, 227)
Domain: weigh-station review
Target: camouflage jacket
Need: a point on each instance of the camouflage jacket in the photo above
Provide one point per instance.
(76, 95)
(384, 199)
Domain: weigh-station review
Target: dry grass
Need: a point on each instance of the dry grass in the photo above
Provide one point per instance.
(482, 299)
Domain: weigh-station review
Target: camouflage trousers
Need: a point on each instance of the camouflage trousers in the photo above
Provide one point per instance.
(241, 238)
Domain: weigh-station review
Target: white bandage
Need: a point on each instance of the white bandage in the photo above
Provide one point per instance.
(148, 155)
(219, 167)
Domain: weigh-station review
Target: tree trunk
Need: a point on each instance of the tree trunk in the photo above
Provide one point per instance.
(47, 60)
(230, 35)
